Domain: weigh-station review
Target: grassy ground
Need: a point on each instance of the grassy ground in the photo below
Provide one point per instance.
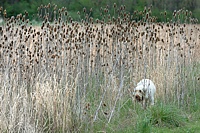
(190, 127)
(127, 126)
(158, 119)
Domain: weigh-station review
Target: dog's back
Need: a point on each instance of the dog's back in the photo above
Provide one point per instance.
(147, 84)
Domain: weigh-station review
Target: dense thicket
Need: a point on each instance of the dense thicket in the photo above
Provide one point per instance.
(14, 7)
(68, 76)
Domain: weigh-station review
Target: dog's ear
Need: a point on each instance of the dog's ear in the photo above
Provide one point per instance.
(141, 91)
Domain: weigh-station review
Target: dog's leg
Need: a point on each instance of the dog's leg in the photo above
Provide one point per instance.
(145, 103)
(152, 101)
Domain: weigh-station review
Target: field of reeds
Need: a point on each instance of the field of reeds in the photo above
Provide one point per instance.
(70, 76)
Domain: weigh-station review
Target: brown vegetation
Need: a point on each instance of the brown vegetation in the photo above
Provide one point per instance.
(61, 75)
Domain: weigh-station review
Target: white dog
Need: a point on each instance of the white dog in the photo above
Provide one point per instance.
(144, 92)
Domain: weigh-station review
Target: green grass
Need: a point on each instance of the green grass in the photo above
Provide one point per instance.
(190, 127)
(160, 118)
(166, 116)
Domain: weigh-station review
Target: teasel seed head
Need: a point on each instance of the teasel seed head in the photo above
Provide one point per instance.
(165, 13)
(114, 5)
(55, 7)
(84, 10)
(26, 13)
(145, 9)
(174, 13)
(190, 13)
(91, 9)
(5, 13)
(147, 16)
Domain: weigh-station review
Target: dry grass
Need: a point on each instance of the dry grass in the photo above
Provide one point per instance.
(66, 76)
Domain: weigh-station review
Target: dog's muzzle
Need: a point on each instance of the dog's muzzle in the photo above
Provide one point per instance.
(139, 98)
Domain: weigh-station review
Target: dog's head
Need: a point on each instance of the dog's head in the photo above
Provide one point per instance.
(139, 94)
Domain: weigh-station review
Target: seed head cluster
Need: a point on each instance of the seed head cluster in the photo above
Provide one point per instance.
(111, 51)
